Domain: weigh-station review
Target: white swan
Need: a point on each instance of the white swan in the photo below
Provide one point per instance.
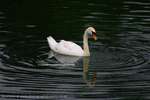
(70, 48)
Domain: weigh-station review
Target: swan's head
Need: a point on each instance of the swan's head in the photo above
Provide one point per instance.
(90, 31)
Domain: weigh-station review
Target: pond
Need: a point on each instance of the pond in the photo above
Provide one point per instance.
(119, 65)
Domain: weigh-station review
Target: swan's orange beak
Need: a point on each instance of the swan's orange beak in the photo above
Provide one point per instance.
(94, 35)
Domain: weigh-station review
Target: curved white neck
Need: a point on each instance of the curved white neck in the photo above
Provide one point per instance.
(85, 45)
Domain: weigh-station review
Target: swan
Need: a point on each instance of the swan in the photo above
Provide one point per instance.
(70, 48)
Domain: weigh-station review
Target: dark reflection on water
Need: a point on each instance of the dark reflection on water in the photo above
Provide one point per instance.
(118, 68)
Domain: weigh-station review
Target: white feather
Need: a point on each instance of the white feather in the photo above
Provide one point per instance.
(65, 47)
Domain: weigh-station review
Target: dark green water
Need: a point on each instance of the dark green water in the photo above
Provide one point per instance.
(119, 65)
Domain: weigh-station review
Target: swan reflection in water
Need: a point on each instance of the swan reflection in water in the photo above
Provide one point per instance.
(89, 80)
(65, 59)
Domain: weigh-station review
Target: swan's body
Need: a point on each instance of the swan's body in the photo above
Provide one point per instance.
(65, 47)
(70, 48)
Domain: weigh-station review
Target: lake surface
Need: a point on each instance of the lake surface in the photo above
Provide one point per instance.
(119, 65)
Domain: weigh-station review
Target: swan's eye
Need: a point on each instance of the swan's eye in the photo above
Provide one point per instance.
(93, 33)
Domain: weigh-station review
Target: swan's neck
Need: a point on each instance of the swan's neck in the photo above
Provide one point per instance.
(85, 45)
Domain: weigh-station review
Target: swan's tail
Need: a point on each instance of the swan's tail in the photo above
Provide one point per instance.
(51, 42)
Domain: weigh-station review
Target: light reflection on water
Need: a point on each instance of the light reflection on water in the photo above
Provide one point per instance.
(118, 67)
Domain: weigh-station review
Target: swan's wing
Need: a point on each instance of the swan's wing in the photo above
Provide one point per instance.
(70, 45)
(68, 48)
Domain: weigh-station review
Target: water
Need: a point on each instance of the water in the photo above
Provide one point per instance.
(118, 68)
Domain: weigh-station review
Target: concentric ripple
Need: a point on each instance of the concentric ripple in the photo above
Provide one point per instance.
(105, 58)
(41, 77)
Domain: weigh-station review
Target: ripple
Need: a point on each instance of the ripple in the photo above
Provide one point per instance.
(106, 58)
(2, 17)
(44, 77)
(30, 26)
(137, 3)
(89, 17)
